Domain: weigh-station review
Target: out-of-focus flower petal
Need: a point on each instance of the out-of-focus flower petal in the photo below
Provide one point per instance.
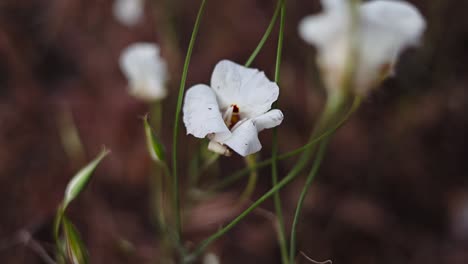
(211, 258)
(248, 88)
(387, 27)
(397, 17)
(384, 29)
(128, 12)
(321, 30)
(145, 70)
(335, 4)
(201, 112)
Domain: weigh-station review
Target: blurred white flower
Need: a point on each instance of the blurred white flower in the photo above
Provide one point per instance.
(145, 70)
(211, 258)
(233, 110)
(383, 29)
(128, 12)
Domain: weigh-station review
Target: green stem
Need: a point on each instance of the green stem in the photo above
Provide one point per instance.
(175, 177)
(265, 35)
(210, 161)
(239, 174)
(156, 116)
(310, 178)
(205, 243)
(158, 181)
(353, 50)
(289, 177)
(200, 170)
(274, 152)
(194, 168)
(334, 107)
(251, 161)
(57, 225)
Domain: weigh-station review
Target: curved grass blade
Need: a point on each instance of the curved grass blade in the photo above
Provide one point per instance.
(75, 249)
(79, 181)
(153, 143)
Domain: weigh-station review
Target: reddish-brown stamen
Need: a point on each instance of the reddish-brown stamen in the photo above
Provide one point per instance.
(235, 116)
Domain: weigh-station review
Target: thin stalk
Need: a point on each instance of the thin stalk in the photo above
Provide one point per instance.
(353, 50)
(158, 175)
(175, 177)
(200, 170)
(265, 35)
(205, 243)
(156, 116)
(210, 161)
(39, 250)
(70, 137)
(334, 107)
(310, 178)
(251, 161)
(239, 174)
(57, 225)
(289, 177)
(274, 152)
(335, 103)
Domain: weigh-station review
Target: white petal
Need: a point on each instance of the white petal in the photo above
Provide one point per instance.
(145, 70)
(148, 89)
(334, 5)
(244, 139)
(328, 32)
(329, 26)
(270, 119)
(387, 27)
(399, 18)
(128, 12)
(323, 29)
(211, 258)
(201, 112)
(247, 88)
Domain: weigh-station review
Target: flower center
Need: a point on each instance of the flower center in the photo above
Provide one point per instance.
(231, 116)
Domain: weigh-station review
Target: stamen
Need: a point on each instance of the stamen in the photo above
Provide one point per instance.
(231, 116)
(235, 116)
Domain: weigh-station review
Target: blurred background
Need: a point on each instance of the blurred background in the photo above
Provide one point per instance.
(393, 187)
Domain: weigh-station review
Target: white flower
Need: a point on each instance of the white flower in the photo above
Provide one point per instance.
(233, 110)
(128, 12)
(145, 70)
(211, 258)
(384, 29)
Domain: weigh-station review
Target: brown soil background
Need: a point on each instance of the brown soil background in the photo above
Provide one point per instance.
(393, 187)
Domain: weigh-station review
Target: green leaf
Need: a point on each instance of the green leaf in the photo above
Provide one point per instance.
(57, 225)
(75, 249)
(155, 148)
(79, 181)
